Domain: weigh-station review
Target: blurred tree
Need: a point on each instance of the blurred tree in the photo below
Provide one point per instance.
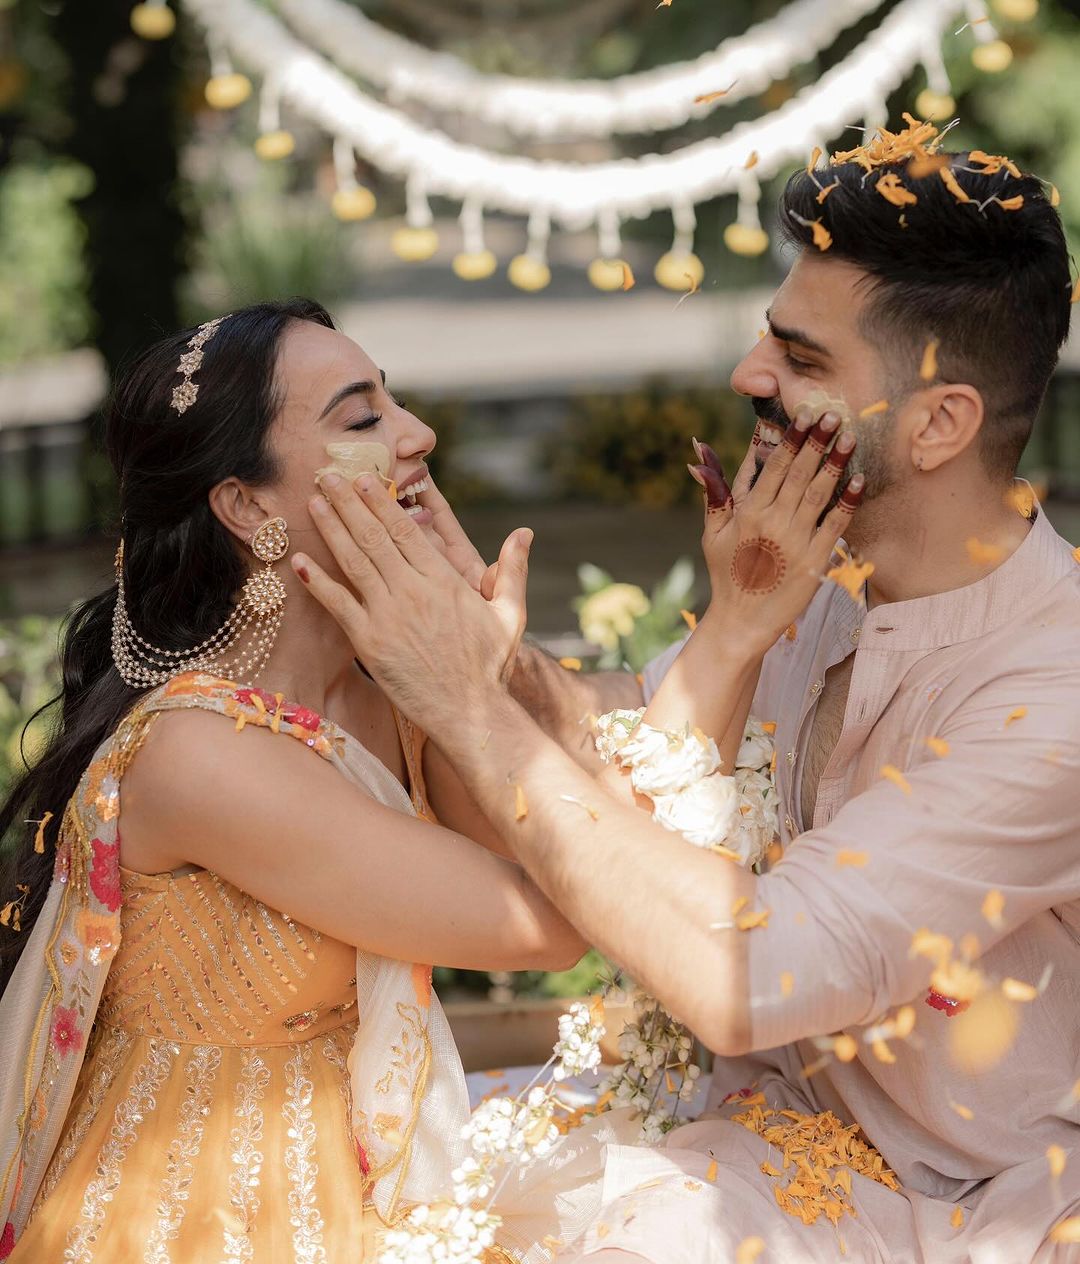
(121, 100)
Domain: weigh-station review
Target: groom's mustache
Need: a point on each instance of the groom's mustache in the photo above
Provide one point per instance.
(770, 410)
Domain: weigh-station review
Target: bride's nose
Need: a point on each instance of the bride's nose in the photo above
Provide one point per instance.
(416, 439)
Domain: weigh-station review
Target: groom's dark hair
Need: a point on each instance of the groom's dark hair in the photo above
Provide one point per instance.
(991, 283)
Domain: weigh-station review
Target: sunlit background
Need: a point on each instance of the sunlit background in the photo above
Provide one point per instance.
(140, 191)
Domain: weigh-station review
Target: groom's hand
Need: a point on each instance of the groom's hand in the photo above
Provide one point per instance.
(461, 553)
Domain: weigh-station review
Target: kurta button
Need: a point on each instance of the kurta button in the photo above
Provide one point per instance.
(791, 758)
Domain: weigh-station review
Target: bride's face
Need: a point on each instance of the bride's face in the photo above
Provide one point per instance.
(334, 393)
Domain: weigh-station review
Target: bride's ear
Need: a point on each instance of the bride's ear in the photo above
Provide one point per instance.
(233, 504)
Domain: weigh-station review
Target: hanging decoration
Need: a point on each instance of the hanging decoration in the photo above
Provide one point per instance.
(574, 196)
(651, 101)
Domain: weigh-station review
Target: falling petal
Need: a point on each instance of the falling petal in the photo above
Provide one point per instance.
(1067, 1231)
(845, 1048)
(872, 410)
(689, 618)
(1011, 204)
(739, 905)
(751, 160)
(981, 1035)
(571, 664)
(882, 1051)
(1017, 990)
(521, 804)
(965, 1112)
(748, 1250)
(710, 1175)
(826, 191)
(751, 921)
(896, 777)
(851, 576)
(992, 907)
(928, 368)
(627, 275)
(957, 1218)
(814, 158)
(1017, 713)
(938, 745)
(892, 189)
(983, 554)
(822, 236)
(1057, 1158)
(706, 97)
(787, 983)
(852, 859)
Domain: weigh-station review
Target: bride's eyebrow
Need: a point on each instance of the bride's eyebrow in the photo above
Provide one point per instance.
(351, 388)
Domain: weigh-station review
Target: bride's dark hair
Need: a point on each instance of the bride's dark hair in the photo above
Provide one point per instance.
(182, 567)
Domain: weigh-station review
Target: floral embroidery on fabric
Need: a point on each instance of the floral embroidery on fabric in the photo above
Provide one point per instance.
(97, 933)
(105, 874)
(66, 1037)
(946, 1004)
(7, 1240)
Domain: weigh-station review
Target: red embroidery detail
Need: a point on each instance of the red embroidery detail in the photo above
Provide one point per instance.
(362, 1159)
(946, 1004)
(7, 1240)
(105, 875)
(738, 1095)
(66, 1037)
(303, 717)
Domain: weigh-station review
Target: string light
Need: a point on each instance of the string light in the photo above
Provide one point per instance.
(474, 262)
(226, 88)
(680, 269)
(351, 200)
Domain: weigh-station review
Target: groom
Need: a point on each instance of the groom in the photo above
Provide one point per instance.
(928, 742)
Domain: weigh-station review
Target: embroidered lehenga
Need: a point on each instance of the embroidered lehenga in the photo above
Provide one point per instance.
(213, 1115)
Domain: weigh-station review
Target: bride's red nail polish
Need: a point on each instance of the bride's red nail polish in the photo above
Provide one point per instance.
(717, 492)
(695, 473)
(302, 571)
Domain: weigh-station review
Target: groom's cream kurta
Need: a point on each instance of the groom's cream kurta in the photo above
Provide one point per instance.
(993, 669)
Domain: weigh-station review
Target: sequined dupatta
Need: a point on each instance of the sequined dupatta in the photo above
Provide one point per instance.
(408, 1087)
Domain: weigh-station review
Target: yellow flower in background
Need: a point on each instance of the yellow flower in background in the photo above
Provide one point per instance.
(609, 614)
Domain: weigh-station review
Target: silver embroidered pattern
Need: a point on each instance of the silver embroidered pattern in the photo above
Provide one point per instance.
(132, 1108)
(108, 1058)
(300, 1162)
(202, 1066)
(247, 1158)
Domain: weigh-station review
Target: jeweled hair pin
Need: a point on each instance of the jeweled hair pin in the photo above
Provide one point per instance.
(187, 392)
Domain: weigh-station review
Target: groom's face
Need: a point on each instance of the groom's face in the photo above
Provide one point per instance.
(813, 349)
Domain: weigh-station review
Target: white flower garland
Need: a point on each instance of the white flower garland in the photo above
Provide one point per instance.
(649, 101)
(735, 815)
(582, 194)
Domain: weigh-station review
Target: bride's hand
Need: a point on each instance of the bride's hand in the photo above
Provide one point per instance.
(432, 641)
(764, 548)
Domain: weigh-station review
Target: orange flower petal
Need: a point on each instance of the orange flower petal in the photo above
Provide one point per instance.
(896, 777)
(872, 410)
(928, 368)
(938, 745)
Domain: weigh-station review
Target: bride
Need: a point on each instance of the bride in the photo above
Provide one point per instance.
(204, 908)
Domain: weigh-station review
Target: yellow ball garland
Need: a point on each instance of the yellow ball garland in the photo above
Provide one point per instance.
(745, 239)
(607, 274)
(1017, 10)
(272, 146)
(528, 273)
(153, 21)
(414, 245)
(474, 265)
(682, 271)
(934, 106)
(353, 204)
(992, 58)
(226, 92)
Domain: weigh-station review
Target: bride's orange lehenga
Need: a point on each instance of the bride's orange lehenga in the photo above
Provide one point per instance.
(212, 1116)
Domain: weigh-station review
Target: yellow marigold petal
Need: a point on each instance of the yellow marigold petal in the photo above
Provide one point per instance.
(892, 189)
(882, 1052)
(824, 193)
(689, 618)
(521, 804)
(1017, 990)
(752, 920)
(787, 983)
(851, 859)
(710, 1175)
(938, 745)
(993, 906)
(739, 905)
(851, 576)
(893, 774)
(1011, 204)
(1066, 1231)
(748, 1250)
(928, 367)
(768, 726)
(751, 160)
(905, 1021)
(845, 1048)
(1017, 713)
(872, 410)
(957, 1218)
(1057, 1158)
(981, 1036)
(965, 1112)
(627, 275)
(822, 236)
(983, 554)
(571, 664)
(953, 185)
(814, 158)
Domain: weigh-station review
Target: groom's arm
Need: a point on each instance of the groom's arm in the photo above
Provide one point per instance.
(563, 703)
